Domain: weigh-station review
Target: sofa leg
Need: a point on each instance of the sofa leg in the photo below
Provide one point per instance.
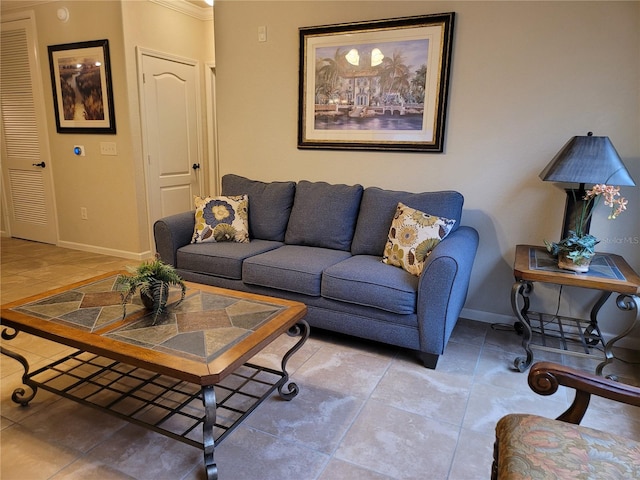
(430, 360)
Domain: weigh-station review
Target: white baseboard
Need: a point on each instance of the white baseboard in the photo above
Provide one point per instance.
(632, 342)
(106, 251)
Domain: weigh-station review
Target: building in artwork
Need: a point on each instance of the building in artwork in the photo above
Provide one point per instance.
(363, 82)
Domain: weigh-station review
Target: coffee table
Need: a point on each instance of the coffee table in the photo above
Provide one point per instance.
(189, 369)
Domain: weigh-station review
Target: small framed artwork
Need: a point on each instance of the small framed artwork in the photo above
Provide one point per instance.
(380, 85)
(82, 88)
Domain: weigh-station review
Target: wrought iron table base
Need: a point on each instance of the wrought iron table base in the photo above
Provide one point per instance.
(137, 395)
(586, 332)
(19, 394)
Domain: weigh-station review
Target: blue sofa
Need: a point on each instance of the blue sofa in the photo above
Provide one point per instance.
(322, 244)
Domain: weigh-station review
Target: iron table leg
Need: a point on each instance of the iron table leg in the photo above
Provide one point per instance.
(301, 328)
(208, 438)
(593, 317)
(627, 303)
(19, 394)
(522, 289)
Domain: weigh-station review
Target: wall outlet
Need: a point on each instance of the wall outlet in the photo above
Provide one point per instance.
(83, 213)
(108, 148)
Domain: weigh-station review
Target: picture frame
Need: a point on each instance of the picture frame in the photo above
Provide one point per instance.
(82, 87)
(375, 85)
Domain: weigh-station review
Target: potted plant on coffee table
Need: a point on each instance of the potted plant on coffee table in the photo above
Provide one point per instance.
(153, 279)
(576, 250)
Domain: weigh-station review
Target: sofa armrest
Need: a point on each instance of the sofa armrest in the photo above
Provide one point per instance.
(171, 233)
(546, 377)
(443, 287)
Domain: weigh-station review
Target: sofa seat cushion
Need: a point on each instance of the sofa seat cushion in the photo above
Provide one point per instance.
(269, 204)
(378, 208)
(292, 268)
(324, 215)
(221, 259)
(530, 446)
(365, 280)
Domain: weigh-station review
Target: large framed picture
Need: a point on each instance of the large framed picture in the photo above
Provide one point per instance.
(82, 88)
(380, 85)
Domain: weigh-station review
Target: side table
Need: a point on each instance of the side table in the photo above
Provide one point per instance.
(608, 274)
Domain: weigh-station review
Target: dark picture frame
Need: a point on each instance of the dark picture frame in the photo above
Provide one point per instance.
(82, 87)
(375, 85)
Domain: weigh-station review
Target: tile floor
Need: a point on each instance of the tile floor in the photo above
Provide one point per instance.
(365, 410)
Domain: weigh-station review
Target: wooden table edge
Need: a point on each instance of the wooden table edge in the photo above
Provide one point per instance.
(200, 373)
(629, 286)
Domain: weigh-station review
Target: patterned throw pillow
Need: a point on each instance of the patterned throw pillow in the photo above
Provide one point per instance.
(221, 219)
(412, 237)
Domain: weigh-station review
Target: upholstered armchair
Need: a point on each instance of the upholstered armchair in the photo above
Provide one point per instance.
(533, 447)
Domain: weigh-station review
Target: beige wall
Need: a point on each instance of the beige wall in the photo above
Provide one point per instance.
(526, 76)
(104, 185)
(112, 188)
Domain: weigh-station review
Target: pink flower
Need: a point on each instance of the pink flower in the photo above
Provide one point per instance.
(609, 194)
(622, 206)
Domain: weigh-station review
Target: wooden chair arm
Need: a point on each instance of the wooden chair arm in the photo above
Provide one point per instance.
(546, 377)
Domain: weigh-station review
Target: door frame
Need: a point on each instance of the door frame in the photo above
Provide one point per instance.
(6, 209)
(140, 53)
(212, 130)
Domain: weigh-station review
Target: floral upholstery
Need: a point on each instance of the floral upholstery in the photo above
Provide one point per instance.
(221, 219)
(532, 447)
(412, 237)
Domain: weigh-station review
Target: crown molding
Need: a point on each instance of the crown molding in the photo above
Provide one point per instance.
(9, 5)
(182, 6)
(187, 8)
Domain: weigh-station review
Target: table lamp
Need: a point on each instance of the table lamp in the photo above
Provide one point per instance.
(585, 159)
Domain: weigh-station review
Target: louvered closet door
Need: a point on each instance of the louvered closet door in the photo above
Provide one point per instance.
(27, 183)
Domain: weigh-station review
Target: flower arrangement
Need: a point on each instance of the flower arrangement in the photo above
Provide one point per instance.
(579, 246)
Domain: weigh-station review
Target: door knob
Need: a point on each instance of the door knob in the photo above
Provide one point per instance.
(41, 164)
(196, 166)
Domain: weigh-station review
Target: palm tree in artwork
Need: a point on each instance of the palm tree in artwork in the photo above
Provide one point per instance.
(394, 74)
(418, 84)
(328, 73)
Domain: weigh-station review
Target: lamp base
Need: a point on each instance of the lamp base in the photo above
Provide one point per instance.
(573, 210)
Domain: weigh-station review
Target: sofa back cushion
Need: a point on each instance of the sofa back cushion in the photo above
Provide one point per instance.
(269, 205)
(378, 207)
(324, 215)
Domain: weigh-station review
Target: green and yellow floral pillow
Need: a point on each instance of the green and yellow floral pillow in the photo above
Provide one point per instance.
(222, 219)
(412, 237)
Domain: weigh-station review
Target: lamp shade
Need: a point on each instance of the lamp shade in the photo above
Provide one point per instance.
(587, 159)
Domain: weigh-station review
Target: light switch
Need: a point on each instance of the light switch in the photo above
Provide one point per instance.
(108, 148)
(262, 33)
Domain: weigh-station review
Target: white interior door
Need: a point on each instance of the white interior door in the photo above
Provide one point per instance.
(171, 130)
(26, 162)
